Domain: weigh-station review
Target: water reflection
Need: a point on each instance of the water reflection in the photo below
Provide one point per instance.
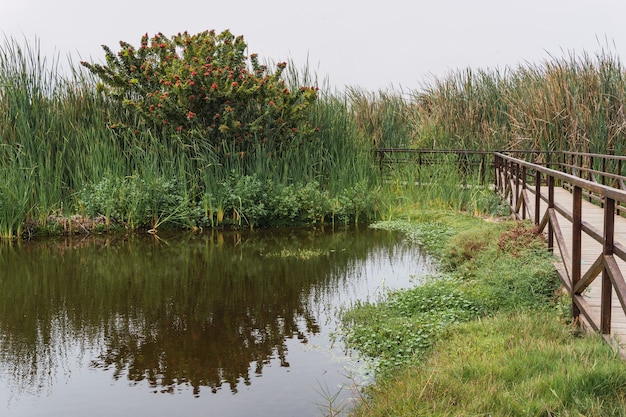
(199, 311)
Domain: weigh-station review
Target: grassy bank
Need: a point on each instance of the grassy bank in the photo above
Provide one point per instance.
(488, 335)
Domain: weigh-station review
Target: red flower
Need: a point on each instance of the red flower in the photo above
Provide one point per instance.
(235, 83)
(179, 128)
(214, 86)
(191, 115)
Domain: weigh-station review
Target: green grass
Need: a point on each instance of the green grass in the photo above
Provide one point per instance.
(569, 103)
(484, 336)
(513, 364)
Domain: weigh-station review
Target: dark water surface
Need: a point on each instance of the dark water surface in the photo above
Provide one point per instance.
(220, 324)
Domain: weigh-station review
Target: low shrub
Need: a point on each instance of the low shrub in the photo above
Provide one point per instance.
(135, 202)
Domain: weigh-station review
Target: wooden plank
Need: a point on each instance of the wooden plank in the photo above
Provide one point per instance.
(560, 241)
(617, 279)
(590, 275)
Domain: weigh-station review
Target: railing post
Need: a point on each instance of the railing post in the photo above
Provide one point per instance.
(497, 167)
(576, 248)
(419, 164)
(548, 160)
(523, 189)
(509, 174)
(550, 207)
(483, 171)
(607, 287)
(537, 197)
(516, 173)
(619, 172)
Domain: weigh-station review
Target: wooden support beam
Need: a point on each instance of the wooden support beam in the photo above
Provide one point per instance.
(576, 246)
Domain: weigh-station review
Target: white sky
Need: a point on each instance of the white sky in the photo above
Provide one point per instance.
(373, 45)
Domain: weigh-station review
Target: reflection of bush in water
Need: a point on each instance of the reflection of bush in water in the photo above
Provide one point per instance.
(191, 310)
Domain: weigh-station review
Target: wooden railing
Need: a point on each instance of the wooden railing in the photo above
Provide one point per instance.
(529, 189)
(475, 161)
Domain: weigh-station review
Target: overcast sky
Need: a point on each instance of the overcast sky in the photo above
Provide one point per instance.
(374, 45)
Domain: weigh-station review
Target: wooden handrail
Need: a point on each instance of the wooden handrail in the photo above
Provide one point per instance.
(516, 177)
(586, 176)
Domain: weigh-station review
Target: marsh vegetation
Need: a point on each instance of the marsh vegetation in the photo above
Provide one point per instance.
(143, 143)
(161, 137)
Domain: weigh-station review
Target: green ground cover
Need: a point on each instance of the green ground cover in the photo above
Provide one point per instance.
(488, 335)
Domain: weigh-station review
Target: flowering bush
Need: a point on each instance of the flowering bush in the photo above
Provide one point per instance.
(205, 87)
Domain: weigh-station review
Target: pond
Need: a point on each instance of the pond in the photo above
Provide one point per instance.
(217, 324)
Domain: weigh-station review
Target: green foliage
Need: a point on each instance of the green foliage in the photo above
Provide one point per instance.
(58, 130)
(440, 294)
(249, 201)
(432, 234)
(569, 103)
(356, 202)
(204, 86)
(484, 277)
(14, 200)
(468, 245)
(407, 324)
(314, 204)
(514, 364)
(134, 201)
(246, 196)
(442, 181)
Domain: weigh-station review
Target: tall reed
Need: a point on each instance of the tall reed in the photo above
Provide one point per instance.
(59, 142)
(570, 103)
(59, 129)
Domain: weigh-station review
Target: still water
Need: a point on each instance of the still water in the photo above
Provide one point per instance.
(218, 324)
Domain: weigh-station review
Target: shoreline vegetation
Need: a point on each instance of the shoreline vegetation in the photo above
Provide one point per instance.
(157, 138)
(162, 136)
(488, 334)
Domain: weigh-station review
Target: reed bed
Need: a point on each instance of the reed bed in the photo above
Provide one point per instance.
(64, 157)
(61, 151)
(570, 103)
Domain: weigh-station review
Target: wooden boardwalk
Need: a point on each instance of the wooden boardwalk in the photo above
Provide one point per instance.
(588, 238)
(591, 250)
